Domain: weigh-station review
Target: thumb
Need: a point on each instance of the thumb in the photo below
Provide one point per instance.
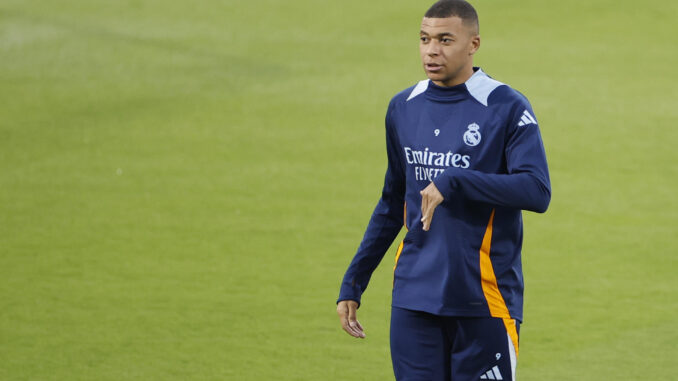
(353, 321)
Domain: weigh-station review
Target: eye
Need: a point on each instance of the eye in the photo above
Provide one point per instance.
(446, 40)
(423, 39)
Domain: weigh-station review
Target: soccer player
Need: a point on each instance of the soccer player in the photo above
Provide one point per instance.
(465, 156)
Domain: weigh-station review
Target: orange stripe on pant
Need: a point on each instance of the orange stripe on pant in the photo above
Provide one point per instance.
(493, 296)
(512, 331)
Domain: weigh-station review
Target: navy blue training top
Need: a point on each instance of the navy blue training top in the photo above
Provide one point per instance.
(479, 142)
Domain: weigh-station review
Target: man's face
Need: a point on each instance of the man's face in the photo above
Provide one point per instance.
(447, 46)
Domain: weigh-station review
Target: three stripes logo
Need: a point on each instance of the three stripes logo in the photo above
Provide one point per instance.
(526, 119)
(492, 374)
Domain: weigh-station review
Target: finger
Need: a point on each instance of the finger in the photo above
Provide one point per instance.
(350, 330)
(424, 202)
(357, 332)
(346, 326)
(428, 218)
(359, 329)
(424, 209)
(353, 321)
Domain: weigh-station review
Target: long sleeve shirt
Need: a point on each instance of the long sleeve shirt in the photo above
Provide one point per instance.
(479, 143)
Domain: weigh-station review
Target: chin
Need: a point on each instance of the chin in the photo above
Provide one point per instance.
(436, 77)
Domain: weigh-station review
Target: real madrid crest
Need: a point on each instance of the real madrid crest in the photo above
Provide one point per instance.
(472, 136)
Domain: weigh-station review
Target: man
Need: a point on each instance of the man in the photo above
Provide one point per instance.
(465, 156)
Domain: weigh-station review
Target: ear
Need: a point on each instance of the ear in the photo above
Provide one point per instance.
(474, 44)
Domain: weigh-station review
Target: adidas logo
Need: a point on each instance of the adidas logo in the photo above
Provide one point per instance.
(492, 374)
(526, 119)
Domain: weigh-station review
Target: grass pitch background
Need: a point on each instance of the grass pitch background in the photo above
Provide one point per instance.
(182, 184)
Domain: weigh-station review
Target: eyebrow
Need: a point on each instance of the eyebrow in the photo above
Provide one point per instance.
(438, 35)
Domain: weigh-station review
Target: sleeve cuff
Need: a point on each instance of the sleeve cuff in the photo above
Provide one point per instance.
(444, 183)
(349, 293)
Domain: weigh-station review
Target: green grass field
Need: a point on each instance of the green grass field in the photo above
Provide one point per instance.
(182, 185)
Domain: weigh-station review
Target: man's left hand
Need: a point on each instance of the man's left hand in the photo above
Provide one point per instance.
(430, 199)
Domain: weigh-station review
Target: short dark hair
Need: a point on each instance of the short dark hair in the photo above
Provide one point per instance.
(454, 8)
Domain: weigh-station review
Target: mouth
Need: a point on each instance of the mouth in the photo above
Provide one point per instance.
(433, 67)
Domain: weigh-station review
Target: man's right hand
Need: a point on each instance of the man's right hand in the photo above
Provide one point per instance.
(346, 309)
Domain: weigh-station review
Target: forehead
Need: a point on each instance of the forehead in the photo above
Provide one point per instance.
(435, 25)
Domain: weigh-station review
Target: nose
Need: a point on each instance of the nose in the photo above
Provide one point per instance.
(433, 48)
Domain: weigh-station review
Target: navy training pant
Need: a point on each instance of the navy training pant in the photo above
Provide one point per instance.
(426, 347)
